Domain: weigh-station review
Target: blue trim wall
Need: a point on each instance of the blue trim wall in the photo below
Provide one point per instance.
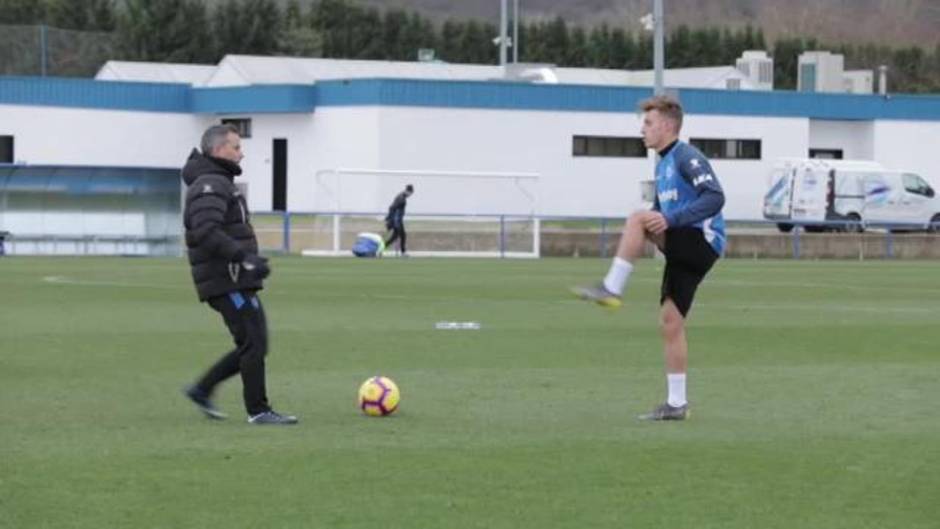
(87, 93)
(501, 95)
(259, 98)
(162, 97)
(477, 94)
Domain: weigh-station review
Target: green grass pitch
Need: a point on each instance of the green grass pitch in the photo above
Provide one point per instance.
(814, 389)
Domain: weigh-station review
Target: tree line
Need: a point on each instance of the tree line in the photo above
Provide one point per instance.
(198, 31)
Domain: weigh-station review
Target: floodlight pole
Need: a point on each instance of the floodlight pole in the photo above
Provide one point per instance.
(515, 31)
(503, 30)
(43, 48)
(659, 48)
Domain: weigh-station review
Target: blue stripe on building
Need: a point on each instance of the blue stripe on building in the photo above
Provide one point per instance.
(259, 98)
(88, 93)
(163, 97)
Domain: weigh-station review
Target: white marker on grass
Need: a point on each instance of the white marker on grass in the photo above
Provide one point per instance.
(457, 325)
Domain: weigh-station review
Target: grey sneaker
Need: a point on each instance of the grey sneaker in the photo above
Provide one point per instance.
(201, 400)
(272, 417)
(598, 294)
(665, 412)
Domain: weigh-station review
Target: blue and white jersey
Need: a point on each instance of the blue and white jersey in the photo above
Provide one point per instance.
(688, 193)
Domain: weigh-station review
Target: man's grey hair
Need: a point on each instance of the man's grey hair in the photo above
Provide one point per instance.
(215, 137)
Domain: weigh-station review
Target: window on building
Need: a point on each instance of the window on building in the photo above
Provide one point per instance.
(609, 146)
(6, 149)
(826, 154)
(807, 78)
(242, 124)
(766, 73)
(733, 84)
(728, 149)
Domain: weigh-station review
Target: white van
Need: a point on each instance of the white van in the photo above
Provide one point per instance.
(807, 190)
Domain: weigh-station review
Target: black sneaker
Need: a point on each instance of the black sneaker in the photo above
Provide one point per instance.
(665, 412)
(272, 417)
(201, 400)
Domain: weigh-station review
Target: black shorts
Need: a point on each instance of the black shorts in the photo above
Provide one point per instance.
(688, 258)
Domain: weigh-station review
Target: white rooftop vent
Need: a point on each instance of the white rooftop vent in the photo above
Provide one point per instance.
(530, 72)
(758, 68)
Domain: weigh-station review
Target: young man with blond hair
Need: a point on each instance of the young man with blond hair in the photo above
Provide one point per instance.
(686, 225)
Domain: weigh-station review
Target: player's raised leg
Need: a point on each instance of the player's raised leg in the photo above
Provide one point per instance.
(638, 228)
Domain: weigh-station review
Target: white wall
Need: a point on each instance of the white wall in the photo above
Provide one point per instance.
(457, 140)
(745, 181)
(516, 141)
(909, 146)
(855, 138)
(475, 140)
(541, 142)
(55, 135)
(327, 138)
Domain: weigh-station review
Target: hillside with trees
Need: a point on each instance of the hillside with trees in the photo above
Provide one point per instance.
(80, 35)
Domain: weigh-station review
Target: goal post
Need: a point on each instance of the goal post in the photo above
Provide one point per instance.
(450, 214)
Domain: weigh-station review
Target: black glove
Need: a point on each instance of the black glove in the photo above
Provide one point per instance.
(256, 266)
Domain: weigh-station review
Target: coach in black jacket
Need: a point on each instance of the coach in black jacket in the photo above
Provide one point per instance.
(227, 271)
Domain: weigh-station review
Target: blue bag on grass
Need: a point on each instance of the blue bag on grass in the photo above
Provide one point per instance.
(368, 245)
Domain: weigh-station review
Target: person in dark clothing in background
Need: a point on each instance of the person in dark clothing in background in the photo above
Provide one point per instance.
(395, 220)
(228, 272)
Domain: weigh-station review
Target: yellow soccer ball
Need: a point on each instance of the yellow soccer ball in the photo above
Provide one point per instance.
(379, 396)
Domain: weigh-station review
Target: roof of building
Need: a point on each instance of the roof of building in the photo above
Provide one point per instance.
(153, 72)
(246, 70)
(305, 98)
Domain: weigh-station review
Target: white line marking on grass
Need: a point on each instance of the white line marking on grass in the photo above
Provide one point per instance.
(62, 280)
(800, 284)
(815, 307)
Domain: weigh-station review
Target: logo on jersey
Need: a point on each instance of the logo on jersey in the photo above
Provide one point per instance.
(667, 195)
(701, 179)
(695, 163)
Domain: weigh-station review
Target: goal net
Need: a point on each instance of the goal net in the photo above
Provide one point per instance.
(450, 214)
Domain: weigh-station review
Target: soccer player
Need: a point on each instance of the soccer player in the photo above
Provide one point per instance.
(395, 220)
(686, 225)
(227, 271)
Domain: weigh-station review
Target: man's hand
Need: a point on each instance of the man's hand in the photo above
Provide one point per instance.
(256, 265)
(655, 223)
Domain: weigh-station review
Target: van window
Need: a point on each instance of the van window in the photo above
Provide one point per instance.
(917, 185)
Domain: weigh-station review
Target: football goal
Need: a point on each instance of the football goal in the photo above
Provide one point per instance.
(450, 214)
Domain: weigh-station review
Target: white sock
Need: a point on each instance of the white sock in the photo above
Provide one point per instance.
(676, 384)
(618, 275)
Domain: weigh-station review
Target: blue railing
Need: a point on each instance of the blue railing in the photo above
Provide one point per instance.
(609, 228)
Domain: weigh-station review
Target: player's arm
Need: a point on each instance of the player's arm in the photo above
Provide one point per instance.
(699, 174)
(206, 217)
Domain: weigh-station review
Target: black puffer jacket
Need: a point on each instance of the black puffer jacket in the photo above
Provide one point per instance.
(218, 232)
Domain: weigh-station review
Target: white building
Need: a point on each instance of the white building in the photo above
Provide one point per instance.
(823, 71)
(758, 67)
(306, 118)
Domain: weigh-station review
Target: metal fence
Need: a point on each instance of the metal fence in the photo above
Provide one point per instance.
(44, 50)
(285, 232)
(510, 236)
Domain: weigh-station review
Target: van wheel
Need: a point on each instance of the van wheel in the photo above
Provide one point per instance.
(856, 226)
(784, 227)
(934, 224)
